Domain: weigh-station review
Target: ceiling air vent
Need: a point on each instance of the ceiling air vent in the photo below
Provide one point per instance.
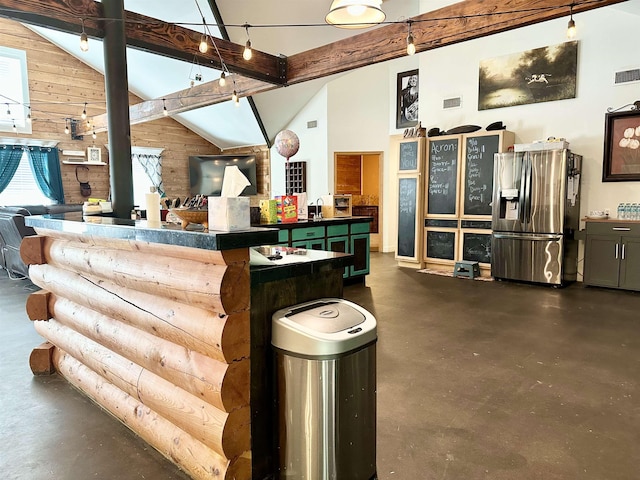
(455, 102)
(627, 76)
(312, 124)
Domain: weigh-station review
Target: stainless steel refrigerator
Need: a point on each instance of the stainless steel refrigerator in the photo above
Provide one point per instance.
(535, 215)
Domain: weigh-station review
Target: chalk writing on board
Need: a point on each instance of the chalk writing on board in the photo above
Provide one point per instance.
(443, 169)
(409, 156)
(407, 198)
(479, 174)
(477, 247)
(441, 245)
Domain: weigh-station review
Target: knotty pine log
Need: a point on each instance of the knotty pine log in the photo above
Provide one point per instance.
(214, 257)
(38, 305)
(228, 434)
(225, 386)
(195, 458)
(221, 337)
(224, 289)
(32, 250)
(41, 359)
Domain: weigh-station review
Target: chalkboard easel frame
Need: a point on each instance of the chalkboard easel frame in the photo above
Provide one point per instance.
(419, 160)
(416, 258)
(455, 247)
(505, 140)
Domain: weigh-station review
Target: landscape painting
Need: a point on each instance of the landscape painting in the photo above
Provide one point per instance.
(538, 75)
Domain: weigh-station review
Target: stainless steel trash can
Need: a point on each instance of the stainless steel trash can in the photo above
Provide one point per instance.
(326, 374)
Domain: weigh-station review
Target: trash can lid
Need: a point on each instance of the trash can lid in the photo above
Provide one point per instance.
(327, 326)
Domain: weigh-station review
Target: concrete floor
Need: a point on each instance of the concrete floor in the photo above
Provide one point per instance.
(476, 380)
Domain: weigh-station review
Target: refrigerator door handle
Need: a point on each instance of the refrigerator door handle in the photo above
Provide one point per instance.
(623, 245)
(540, 237)
(617, 250)
(527, 193)
(521, 193)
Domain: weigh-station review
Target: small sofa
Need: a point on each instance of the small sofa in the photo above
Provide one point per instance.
(13, 230)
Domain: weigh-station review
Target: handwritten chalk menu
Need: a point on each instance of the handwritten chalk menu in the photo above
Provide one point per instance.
(408, 156)
(476, 247)
(407, 210)
(441, 245)
(478, 181)
(443, 176)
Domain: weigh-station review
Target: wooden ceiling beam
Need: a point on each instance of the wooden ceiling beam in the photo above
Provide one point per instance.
(145, 33)
(455, 23)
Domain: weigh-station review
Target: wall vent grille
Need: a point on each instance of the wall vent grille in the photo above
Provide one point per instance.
(455, 102)
(627, 76)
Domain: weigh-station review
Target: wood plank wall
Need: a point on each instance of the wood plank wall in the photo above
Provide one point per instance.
(158, 335)
(60, 84)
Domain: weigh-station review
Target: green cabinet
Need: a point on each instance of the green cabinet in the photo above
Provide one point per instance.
(311, 238)
(612, 255)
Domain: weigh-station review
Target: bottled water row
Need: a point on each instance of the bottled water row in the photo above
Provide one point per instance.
(629, 211)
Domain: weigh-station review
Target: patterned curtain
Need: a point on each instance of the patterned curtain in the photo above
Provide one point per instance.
(45, 165)
(10, 156)
(152, 165)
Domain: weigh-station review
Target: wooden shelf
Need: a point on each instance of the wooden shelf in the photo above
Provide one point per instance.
(73, 162)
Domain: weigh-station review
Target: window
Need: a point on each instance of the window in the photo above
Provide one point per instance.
(23, 189)
(141, 183)
(145, 178)
(14, 91)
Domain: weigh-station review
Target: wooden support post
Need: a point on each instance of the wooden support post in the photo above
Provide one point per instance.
(41, 359)
(38, 305)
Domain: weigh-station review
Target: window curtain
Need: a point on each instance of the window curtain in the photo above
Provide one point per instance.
(45, 165)
(152, 165)
(10, 156)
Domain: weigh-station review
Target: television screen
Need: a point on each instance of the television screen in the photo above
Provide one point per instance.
(207, 171)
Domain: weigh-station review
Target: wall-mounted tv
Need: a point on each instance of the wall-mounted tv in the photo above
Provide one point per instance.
(207, 171)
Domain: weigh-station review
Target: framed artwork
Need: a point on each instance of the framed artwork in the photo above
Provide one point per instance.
(621, 147)
(407, 99)
(94, 155)
(538, 75)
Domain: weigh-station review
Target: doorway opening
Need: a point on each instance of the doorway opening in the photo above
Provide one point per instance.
(359, 174)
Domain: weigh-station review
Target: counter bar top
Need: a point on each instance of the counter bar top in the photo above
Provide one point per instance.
(167, 233)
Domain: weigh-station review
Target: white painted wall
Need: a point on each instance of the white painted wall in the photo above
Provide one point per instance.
(359, 107)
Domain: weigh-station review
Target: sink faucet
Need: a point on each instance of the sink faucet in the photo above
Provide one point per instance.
(318, 215)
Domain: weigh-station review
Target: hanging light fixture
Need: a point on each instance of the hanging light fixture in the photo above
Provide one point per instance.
(66, 126)
(84, 40)
(29, 115)
(15, 129)
(247, 53)
(571, 27)
(355, 13)
(204, 46)
(411, 47)
(84, 112)
(165, 112)
(94, 134)
(223, 81)
(234, 97)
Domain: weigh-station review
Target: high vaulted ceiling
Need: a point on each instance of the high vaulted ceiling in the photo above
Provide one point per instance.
(296, 52)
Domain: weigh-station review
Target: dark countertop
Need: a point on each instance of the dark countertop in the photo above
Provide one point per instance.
(318, 223)
(167, 233)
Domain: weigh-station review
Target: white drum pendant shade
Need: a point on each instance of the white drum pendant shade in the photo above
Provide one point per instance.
(355, 13)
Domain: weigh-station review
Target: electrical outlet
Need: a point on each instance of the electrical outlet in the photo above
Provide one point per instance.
(606, 211)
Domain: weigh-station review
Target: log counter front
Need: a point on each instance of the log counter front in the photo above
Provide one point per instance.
(156, 325)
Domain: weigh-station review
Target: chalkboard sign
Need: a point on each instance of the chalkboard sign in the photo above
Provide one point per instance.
(408, 156)
(443, 176)
(476, 247)
(441, 245)
(407, 210)
(478, 181)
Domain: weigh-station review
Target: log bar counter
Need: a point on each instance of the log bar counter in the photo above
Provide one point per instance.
(169, 330)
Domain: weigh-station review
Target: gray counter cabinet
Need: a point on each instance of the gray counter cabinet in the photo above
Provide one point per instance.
(612, 254)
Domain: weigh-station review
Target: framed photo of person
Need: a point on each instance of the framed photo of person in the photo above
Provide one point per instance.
(621, 146)
(94, 155)
(407, 99)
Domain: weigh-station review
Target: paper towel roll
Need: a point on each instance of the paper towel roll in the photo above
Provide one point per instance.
(153, 206)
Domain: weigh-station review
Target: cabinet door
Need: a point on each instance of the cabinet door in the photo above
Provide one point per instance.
(360, 250)
(339, 244)
(602, 260)
(630, 264)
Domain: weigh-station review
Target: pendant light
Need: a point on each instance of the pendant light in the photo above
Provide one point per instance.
(204, 46)
(165, 112)
(411, 46)
(84, 40)
(66, 126)
(29, 115)
(355, 13)
(222, 82)
(571, 27)
(84, 112)
(247, 53)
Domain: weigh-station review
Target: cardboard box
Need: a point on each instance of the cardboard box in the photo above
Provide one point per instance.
(268, 211)
(229, 213)
(287, 208)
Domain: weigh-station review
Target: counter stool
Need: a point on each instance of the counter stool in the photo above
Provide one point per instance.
(466, 268)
